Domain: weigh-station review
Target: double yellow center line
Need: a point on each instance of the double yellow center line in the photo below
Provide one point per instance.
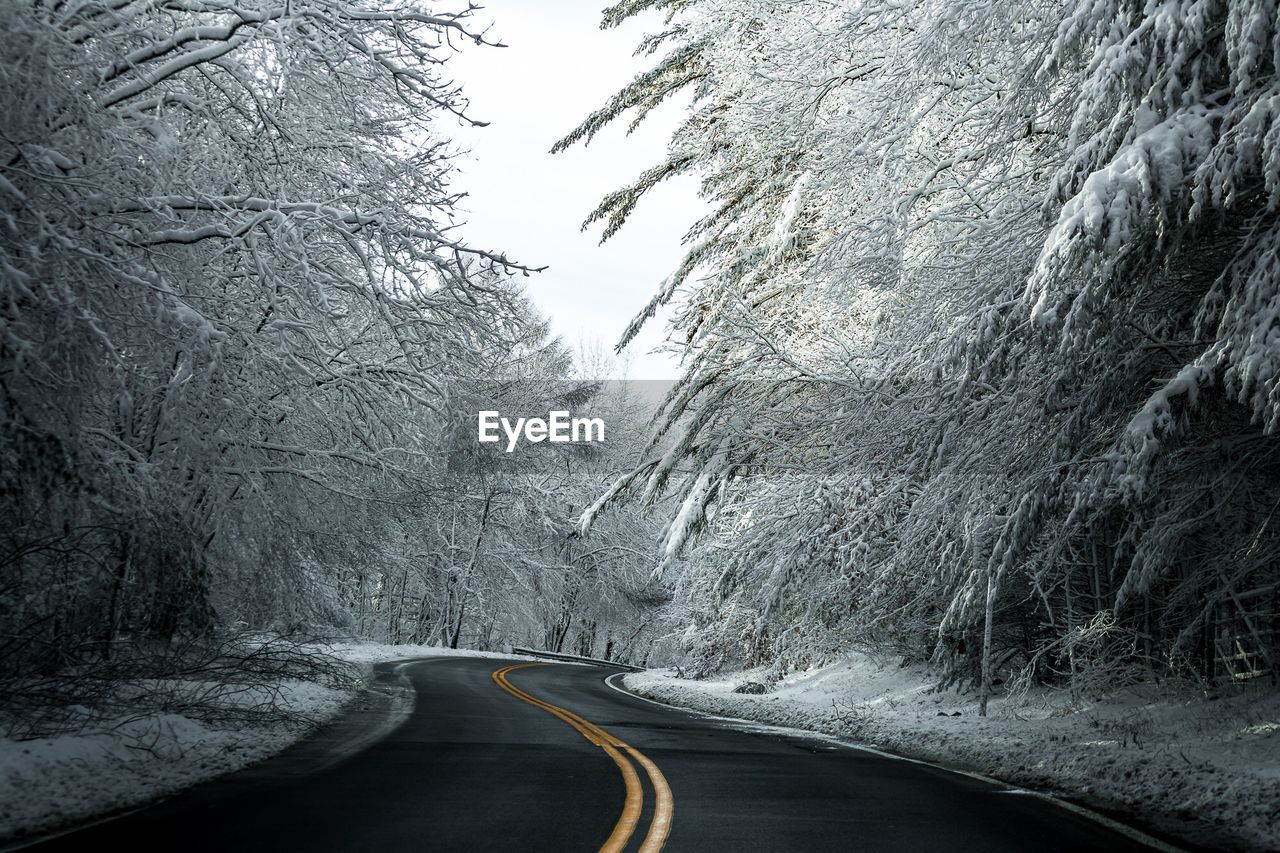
(616, 749)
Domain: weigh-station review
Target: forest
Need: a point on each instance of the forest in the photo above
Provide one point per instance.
(981, 334)
(979, 344)
(242, 347)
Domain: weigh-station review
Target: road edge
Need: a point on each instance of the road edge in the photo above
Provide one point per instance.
(324, 746)
(1155, 842)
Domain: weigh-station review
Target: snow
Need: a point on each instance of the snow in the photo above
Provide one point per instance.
(1115, 200)
(784, 236)
(692, 508)
(1202, 764)
(53, 782)
(356, 651)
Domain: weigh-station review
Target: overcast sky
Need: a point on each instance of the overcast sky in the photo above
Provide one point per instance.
(558, 67)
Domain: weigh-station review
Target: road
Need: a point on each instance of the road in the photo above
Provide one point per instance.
(549, 757)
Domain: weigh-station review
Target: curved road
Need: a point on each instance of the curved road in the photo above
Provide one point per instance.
(548, 757)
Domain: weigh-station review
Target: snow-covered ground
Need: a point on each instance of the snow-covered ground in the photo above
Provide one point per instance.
(50, 782)
(371, 653)
(63, 780)
(1203, 765)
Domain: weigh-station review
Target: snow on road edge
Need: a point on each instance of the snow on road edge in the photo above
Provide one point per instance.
(51, 783)
(1204, 769)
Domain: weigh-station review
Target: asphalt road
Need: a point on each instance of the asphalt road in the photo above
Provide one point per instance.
(478, 766)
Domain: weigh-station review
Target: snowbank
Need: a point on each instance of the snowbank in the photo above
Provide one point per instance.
(371, 653)
(61, 781)
(1204, 766)
(58, 781)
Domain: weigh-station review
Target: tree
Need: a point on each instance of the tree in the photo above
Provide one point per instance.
(953, 249)
(231, 304)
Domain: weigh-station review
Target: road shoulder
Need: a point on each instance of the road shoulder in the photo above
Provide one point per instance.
(1169, 791)
(54, 786)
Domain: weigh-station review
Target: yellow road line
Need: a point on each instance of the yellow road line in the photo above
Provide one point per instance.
(664, 805)
(626, 824)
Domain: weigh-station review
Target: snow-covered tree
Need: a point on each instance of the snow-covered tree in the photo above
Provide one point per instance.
(980, 330)
(232, 302)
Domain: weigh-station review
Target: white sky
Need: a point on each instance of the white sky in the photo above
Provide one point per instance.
(558, 67)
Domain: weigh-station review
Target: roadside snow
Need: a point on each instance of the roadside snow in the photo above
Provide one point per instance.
(1201, 765)
(52, 782)
(59, 781)
(371, 653)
